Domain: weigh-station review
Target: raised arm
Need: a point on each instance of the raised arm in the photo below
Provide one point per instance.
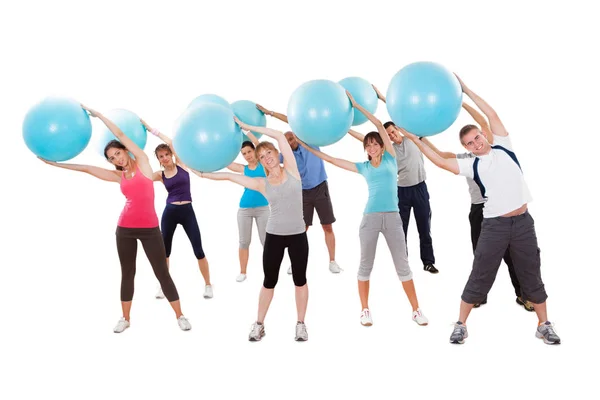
(443, 154)
(100, 173)
(495, 123)
(358, 136)
(165, 139)
(139, 154)
(252, 138)
(379, 95)
(257, 184)
(449, 164)
(387, 142)
(289, 161)
(236, 167)
(480, 119)
(338, 162)
(279, 116)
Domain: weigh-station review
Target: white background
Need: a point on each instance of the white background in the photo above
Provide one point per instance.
(534, 62)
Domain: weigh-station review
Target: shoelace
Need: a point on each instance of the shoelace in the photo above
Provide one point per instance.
(550, 330)
(458, 330)
(302, 330)
(255, 328)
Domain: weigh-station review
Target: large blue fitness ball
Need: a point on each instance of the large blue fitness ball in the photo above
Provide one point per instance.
(320, 112)
(363, 94)
(207, 138)
(57, 129)
(247, 112)
(424, 98)
(208, 98)
(129, 123)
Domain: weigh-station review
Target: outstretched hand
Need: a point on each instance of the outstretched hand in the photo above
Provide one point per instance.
(408, 134)
(264, 110)
(241, 124)
(93, 113)
(47, 162)
(351, 98)
(462, 84)
(379, 95)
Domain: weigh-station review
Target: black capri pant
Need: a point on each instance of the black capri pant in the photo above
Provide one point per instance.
(183, 215)
(274, 248)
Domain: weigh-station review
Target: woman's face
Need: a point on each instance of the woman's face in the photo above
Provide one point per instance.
(249, 154)
(118, 157)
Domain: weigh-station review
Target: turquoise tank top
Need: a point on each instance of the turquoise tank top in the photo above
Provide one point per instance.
(252, 198)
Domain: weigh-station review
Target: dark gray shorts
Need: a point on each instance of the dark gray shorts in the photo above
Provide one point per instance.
(318, 198)
(497, 234)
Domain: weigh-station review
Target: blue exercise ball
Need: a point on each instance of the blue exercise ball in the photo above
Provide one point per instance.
(209, 98)
(57, 129)
(363, 94)
(424, 98)
(247, 112)
(320, 112)
(207, 138)
(129, 123)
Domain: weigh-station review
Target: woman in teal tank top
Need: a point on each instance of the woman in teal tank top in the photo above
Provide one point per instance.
(253, 205)
(381, 214)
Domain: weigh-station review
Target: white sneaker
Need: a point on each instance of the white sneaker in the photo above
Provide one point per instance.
(208, 292)
(256, 332)
(419, 317)
(365, 317)
(121, 325)
(301, 333)
(241, 278)
(334, 267)
(160, 294)
(290, 270)
(184, 324)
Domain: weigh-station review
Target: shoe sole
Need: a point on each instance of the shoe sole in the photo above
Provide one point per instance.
(425, 324)
(262, 335)
(367, 324)
(539, 336)
(457, 341)
(300, 340)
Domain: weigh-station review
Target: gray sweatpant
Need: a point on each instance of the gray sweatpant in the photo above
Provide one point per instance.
(244, 218)
(390, 224)
(498, 234)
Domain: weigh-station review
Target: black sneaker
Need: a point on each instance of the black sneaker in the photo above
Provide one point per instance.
(430, 268)
(476, 305)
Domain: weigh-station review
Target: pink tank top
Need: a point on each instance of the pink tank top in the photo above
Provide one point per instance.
(139, 209)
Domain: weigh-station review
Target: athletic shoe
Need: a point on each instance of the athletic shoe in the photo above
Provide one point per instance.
(184, 324)
(257, 332)
(208, 292)
(289, 270)
(121, 325)
(301, 333)
(365, 317)
(419, 317)
(546, 331)
(476, 305)
(160, 294)
(241, 278)
(334, 267)
(459, 334)
(526, 304)
(430, 268)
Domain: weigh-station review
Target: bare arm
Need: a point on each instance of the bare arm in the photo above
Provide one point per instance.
(379, 95)
(358, 136)
(252, 138)
(387, 142)
(279, 116)
(443, 154)
(167, 140)
(289, 161)
(100, 173)
(257, 184)
(338, 162)
(495, 123)
(236, 167)
(449, 164)
(480, 119)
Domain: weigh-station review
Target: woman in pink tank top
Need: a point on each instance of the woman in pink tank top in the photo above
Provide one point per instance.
(138, 220)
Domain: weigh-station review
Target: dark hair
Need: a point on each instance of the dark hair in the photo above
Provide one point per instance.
(114, 144)
(373, 136)
(388, 124)
(466, 129)
(248, 143)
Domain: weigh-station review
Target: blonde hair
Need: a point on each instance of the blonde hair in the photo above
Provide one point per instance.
(264, 146)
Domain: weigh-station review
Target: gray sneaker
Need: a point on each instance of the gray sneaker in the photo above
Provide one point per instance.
(257, 332)
(546, 332)
(459, 334)
(301, 333)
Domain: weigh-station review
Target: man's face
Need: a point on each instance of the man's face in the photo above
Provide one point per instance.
(291, 138)
(476, 142)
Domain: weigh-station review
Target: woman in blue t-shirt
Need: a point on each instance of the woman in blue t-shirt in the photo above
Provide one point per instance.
(381, 214)
(253, 205)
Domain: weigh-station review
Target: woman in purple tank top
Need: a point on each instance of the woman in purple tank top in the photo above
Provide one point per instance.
(178, 211)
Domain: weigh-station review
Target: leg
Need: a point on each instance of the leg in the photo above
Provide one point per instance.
(422, 210)
(272, 257)
(168, 224)
(154, 248)
(192, 230)
(244, 220)
(127, 250)
(492, 243)
(298, 253)
(322, 203)
(527, 305)
(404, 205)
(394, 236)
(475, 220)
(368, 234)
(262, 217)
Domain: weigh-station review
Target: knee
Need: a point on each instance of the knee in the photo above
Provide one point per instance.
(364, 272)
(245, 243)
(299, 278)
(199, 253)
(328, 228)
(270, 282)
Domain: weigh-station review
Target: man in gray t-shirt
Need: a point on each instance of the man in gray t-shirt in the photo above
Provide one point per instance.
(413, 193)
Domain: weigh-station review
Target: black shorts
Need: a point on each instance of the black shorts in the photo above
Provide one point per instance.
(318, 198)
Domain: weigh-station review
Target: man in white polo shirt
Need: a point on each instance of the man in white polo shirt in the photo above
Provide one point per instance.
(506, 220)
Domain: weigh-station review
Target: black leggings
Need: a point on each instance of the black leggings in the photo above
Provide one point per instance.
(154, 248)
(273, 255)
(183, 215)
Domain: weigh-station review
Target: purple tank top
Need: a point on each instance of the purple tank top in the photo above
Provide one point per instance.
(178, 186)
